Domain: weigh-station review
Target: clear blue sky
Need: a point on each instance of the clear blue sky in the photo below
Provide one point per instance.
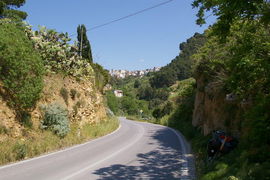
(143, 41)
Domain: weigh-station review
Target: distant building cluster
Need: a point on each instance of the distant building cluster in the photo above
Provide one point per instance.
(138, 73)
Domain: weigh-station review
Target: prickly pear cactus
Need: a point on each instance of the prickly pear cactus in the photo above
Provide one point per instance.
(58, 55)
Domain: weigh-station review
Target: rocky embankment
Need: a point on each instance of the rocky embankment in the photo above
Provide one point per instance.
(215, 109)
(79, 97)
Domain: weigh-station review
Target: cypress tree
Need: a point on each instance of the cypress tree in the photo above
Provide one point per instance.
(8, 9)
(83, 43)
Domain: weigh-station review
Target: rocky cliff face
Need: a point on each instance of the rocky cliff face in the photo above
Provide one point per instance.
(213, 110)
(84, 103)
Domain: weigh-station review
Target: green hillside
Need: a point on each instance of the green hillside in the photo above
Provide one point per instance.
(219, 81)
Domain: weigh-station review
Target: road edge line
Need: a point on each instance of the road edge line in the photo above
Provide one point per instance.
(59, 151)
(106, 158)
(185, 150)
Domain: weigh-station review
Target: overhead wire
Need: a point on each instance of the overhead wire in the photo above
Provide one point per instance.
(128, 16)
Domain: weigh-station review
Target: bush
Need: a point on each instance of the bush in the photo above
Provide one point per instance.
(64, 94)
(157, 113)
(146, 93)
(21, 68)
(112, 102)
(168, 108)
(25, 118)
(79, 104)
(56, 120)
(164, 110)
(154, 103)
(129, 105)
(73, 93)
(101, 76)
(163, 79)
(137, 83)
(20, 151)
(3, 130)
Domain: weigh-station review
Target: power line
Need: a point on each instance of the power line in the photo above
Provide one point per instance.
(128, 16)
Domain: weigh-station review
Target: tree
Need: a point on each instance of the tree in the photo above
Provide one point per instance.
(112, 102)
(83, 43)
(163, 78)
(129, 105)
(7, 9)
(241, 65)
(228, 11)
(21, 69)
(163, 110)
(180, 67)
(102, 76)
(137, 83)
(146, 93)
(162, 94)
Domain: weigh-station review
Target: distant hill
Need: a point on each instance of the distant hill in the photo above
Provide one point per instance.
(180, 66)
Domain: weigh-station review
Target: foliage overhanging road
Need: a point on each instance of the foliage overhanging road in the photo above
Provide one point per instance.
(135, 151)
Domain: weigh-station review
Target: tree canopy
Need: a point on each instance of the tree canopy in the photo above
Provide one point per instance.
(8, 9)
(228, 11)
(83, 43)
(21, 68)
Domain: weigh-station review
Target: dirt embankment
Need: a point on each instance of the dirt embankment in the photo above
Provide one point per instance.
(84, 104)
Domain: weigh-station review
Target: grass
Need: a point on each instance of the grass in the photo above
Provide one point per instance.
(41, 142)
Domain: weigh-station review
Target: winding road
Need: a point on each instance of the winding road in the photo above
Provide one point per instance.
(136, 150)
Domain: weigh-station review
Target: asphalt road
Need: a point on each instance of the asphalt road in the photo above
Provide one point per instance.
(135, 151)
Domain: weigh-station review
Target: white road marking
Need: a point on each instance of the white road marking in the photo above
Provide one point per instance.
(141, 133)
(64, 150)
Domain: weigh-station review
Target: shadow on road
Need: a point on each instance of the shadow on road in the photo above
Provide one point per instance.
(162, 163)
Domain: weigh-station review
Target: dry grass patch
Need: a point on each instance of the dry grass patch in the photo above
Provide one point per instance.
(41, 142)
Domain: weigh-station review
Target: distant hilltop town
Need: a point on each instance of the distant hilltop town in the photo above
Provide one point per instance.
(137, 73)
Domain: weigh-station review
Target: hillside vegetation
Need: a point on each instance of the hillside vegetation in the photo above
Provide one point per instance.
(152, 93)
(50, 96)
(220, 81)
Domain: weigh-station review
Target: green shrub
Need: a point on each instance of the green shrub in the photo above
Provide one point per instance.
(3, 130)
(21, 68)
(56, 120)
(73, 93)
(78, 94)
(75, 109)
(25, 118)
(219, 172)
(161, 111)
(101, 76)
(64, 94)
(79, 104)
(157, 113)
(20, 151)
(137, 84)
(154, 103)
(112, 102)
(129, 105)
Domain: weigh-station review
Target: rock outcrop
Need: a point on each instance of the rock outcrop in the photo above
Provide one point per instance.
(212, 110)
